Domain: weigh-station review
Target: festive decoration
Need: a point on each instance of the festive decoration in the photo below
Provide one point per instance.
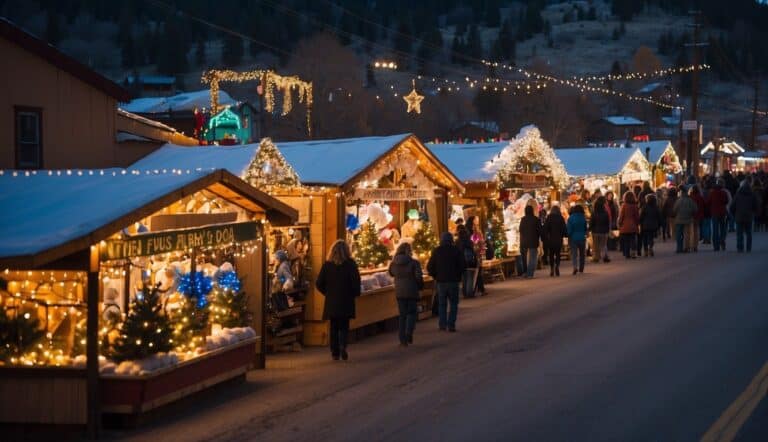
(352, 222)
(229, 305)
(369, 251)
(497, 237)
(190, 324)
(414, 100)
(19, 333)
(528, 153)
(670, 162)
(424, 241)
(270, 169)
(270, 81)
(197, 287)
(642, 75)
(146, 330)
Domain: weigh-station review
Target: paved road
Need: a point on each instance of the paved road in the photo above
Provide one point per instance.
(644, 350)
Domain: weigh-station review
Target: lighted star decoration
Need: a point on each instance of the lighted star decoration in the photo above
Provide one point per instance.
(413, 99)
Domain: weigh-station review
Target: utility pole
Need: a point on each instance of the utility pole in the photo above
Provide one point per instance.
(754, 112)
(692, 147)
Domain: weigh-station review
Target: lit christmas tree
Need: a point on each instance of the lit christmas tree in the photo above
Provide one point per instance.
(369, 251)
(528, 153)
(424, 241)
(498, 237)
(229, 304)
(269, 168)
(146, 330)
(190, 321)
(18, 334)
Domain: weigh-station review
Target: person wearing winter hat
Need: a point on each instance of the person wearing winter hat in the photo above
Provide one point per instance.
(446, 266)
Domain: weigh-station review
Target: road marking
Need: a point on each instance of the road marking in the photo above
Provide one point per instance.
(731, 421)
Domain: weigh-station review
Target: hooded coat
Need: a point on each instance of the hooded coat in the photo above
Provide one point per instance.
(408, 276)
(554, 230)
(340, 284)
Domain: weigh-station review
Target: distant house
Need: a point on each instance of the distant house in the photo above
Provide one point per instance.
(150, 85)
(178, 111)
(617, 127)
(57, 113)
(475, 131)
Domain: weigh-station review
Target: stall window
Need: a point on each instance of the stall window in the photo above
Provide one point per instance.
(29, 137)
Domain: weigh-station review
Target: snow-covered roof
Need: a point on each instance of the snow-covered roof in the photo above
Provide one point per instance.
(42, 211)
(335, 162)
(234, 159)
(622, 120)
(658, 147)
(164, 80)
(147, 121)
(753, 154)
(187, 101)
(728, 148)
(595, 160)
(468, 161)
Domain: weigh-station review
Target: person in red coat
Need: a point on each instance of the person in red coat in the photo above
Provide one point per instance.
(717, 202)
(629, 219)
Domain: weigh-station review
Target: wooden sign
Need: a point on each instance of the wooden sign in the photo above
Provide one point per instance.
(629, 177)
(394, 194)
(527, 181)
(174, 240)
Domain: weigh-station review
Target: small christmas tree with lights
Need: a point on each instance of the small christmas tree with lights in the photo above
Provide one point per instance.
(146, 330)
(498, 238)
(369, 251)
(229, 304)
(18, 334)
(190, 321)
(424, 241)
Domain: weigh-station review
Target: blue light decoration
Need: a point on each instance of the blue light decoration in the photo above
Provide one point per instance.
(352, 222)
(196, 287)
(228, 281)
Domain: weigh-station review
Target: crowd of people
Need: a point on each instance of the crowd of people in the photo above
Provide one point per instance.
(698, 212)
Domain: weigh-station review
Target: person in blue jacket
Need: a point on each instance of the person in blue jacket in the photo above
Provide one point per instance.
(577, 237)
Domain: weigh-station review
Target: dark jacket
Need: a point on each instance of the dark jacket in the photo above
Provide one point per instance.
(650, 218)
(577, 227)
(468, 250)
(446, 263)
(530, 232)
(717, 201)
(668, 208)
(408, 277)
(600, 222)
(554, 230)
(340, 284)
(744, 205)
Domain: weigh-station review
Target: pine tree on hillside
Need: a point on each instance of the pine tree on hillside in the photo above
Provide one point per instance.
(200, 55)
(146, 330)
(474, 43)
(232, 54)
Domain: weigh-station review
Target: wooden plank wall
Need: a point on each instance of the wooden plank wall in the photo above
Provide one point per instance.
(43, 400)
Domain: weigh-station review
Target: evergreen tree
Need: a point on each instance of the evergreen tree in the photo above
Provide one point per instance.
(424, 241)
(498, 237)
(431, 46)
(504, 47)
(474, 43)
(18, 334)
(200, 56)
(146, 330)
(232, 53)
(171, 50)
(229, 304)
(402, 40)
(492, 16)
(369, 251)
(190, 322)
(456, 50)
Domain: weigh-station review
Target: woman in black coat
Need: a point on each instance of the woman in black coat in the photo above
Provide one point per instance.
(553, 232)
(409, 280)
(339, 282)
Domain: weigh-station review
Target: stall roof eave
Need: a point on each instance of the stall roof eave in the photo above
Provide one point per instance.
(469, 161)
(50, 238)
(595, 161)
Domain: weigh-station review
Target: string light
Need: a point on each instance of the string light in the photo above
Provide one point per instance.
(642, 75)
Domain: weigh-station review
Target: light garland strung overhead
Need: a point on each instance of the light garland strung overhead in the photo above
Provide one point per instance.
(270, 82)
(642, 75)
(583, 87)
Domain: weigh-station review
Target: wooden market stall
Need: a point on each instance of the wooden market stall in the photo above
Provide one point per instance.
(664, 161)
(605, 168)
(726, 158)
(501, 178)
(122, 291)
(336, 186)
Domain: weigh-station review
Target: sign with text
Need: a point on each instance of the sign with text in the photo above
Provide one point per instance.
(394, 194)
(527, 181)
(690, 125)
(629, 177)
(173, 240)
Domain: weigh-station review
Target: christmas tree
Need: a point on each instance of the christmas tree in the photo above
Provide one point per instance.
(229, 304)
(18, 334)
(424, 241)
(146, 330)
(190, 321)
(498, 237)
(369, 251)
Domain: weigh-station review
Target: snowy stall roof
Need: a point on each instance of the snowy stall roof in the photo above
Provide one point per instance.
(729, 148)
(658, 147)
(622, 120)
(595, 160)
(234, 159)
(187, 101)
(468, 161)
(51, 214)
(339, 162)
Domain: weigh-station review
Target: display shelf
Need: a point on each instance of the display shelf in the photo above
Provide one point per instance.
(296, 309)
(289, 331)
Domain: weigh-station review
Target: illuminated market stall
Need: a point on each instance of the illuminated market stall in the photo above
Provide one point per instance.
(727, 156)
(605, 168)
(124, 290)
(665, 163)
(501, 179)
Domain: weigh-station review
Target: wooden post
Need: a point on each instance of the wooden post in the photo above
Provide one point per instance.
(262, 362)
(92, 347)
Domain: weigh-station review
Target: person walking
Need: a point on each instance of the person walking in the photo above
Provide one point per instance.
(668, 213)
(599, 227)
(477, 237)
(552, 234)
(339, 282)
(694, 229)
(650, 221)
(743, 209)
(530, 234)
(717, 202)
(685, 212)
(446, 266)
(577, 237)
(467, 248)
(409, 280)
(613, 212)
(629, 218)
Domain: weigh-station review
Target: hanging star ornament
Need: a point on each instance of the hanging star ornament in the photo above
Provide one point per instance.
(413, 99)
